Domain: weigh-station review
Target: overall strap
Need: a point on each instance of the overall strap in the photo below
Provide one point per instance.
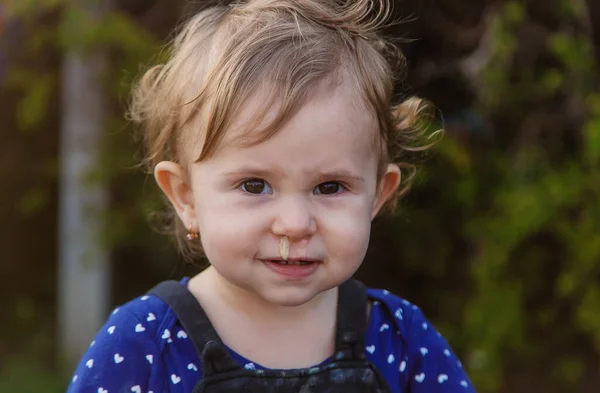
(191, 315)
(351, 319)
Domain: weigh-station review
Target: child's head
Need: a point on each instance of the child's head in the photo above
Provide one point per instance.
(273, 119)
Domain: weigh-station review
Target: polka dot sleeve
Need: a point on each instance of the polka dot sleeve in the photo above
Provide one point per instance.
(120, 359)
(434, 367)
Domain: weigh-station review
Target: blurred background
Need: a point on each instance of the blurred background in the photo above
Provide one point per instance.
(499, 241)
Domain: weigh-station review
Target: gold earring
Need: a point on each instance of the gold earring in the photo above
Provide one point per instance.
(192, 235)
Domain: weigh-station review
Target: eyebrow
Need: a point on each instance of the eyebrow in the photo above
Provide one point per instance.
(340, 174)
(321, 177)
(249, 171)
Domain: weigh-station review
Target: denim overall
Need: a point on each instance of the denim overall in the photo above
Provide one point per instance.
(348, 371)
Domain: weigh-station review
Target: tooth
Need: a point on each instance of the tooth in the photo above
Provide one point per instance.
(284, 248)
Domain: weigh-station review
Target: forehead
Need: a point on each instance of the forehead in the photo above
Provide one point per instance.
(332, 111)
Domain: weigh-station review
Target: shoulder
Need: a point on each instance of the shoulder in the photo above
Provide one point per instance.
(126, 353)
(146, 317)
(392, 308)
(397, 329)
(412, 352)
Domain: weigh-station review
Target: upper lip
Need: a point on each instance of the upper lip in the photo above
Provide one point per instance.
(292, 259)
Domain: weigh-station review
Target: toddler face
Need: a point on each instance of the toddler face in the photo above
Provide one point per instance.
(314, 182)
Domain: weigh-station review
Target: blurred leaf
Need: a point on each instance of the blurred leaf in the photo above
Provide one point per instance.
(574, 51)
(24, 374)
(514, 12)
(552, 80)
(37, 90)
(34, 201)
(570, 369)
(591, 135)
(25, 308)
(24, 8)
(589, 313)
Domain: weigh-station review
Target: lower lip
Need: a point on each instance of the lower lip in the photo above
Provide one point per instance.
(292, 271)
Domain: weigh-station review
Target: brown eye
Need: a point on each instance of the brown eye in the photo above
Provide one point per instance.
(328, 188)
(255, 186)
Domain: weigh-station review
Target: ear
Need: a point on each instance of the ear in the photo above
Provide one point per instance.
(388, 184)
(173, 182)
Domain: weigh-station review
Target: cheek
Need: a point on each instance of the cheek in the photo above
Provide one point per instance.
(227, 232)
(347, 233)
(353, 239)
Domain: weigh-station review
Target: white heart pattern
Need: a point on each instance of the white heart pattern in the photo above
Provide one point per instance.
(398, 314)
(464, 384)
(74, 378)
(420, 377)
(139, 328)
(118, 358)
(424, 325)
(144, 298)
(89, 363)
(175, 379)
(424, 351)
(115, 311)
(442, 378)
(181, 334)
(93, 343)
(447, 353)
(102, 390)
(402, 366)
(383, 327)
(136, 389)
(151, 317)
(192, 366)
(390, 359)
(250, 366)
(149, 358)
(371, 349)
(166, 334)
(111, 329)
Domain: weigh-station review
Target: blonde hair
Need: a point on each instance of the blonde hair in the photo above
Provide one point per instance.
(225, 54)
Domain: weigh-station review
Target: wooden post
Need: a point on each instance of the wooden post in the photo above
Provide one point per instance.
(83, 273)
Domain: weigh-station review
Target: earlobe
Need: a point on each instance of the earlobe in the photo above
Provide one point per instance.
(173, 182)
(388, 184)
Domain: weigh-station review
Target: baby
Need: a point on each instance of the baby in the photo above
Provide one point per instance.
(272, 133)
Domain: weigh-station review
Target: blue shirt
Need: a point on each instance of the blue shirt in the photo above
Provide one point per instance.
(143, 348)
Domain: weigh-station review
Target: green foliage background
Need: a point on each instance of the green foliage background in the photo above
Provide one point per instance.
(499, 241)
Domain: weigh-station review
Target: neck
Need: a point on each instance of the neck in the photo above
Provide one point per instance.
(272, 335)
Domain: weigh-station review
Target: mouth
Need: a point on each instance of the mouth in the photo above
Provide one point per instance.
(297, 262)
(293, 268)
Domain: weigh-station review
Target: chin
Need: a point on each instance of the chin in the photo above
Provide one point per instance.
(290, 297)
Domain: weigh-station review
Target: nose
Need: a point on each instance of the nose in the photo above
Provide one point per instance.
(294, 219)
